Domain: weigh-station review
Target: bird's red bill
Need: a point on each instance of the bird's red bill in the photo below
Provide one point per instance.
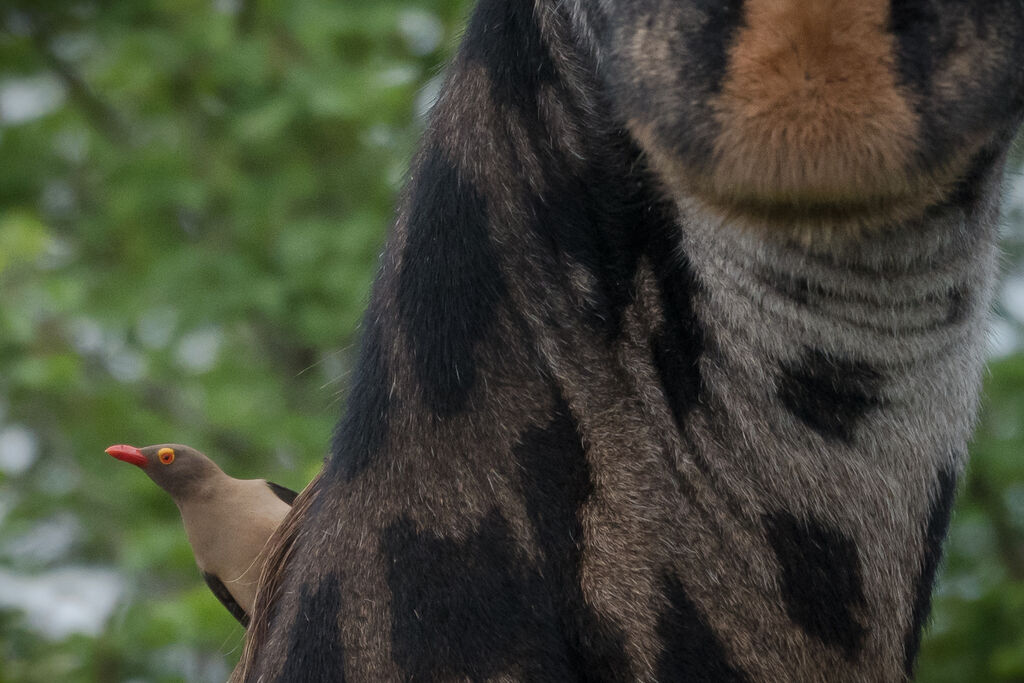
(128, 454)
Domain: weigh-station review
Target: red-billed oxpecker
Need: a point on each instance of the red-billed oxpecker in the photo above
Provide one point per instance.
(228, 521)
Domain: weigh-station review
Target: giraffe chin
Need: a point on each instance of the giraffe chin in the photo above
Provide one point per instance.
(856, 115)
(778, 193)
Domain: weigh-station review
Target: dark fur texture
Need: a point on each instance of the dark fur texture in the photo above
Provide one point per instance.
(690, 649)
(820, 575)
(935, 533)
(668, 372)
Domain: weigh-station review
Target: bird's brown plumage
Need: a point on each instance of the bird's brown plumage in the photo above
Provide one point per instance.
(228, 521)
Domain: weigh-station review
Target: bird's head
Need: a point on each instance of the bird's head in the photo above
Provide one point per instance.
(179, 470)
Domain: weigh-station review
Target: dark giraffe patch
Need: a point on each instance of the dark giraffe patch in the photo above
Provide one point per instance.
(931, 39)
(450, 283)
(712, 38)
(819, 573)
(363, 431)
(469, 608)
(690, 650)
(830, 395)
(315, 653)
(603, 219)
(991, 94)
(598, 213)
(914, 24)
(555, 478)
(934, 533)
(967, 191)
(698, 34)
(504, 38)
(677, 347)
(798, 289)
(958, 305)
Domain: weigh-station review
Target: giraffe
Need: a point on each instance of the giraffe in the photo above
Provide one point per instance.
(673, 355)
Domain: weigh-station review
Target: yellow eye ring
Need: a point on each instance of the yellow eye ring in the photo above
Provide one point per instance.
(166, 455)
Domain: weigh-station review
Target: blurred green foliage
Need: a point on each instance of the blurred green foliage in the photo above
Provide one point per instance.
(192, 197)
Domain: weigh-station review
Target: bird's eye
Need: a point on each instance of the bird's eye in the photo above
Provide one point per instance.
(166, 455)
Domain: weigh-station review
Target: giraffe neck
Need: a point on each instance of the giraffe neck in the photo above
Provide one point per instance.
(899, 310)
(880, 326)
(597, 428)
(838, 390)
(807, 393)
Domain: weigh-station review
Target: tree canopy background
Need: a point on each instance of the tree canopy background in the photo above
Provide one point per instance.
(193, 194)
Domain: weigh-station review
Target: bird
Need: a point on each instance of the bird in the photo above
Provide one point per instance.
(228, 521)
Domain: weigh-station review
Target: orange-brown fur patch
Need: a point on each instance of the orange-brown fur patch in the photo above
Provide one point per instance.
(810, 110)
(813, 130)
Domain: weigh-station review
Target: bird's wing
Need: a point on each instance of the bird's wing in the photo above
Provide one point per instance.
(226, 599)
(282, 492)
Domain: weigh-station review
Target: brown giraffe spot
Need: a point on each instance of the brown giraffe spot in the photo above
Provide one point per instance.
(809, 109)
